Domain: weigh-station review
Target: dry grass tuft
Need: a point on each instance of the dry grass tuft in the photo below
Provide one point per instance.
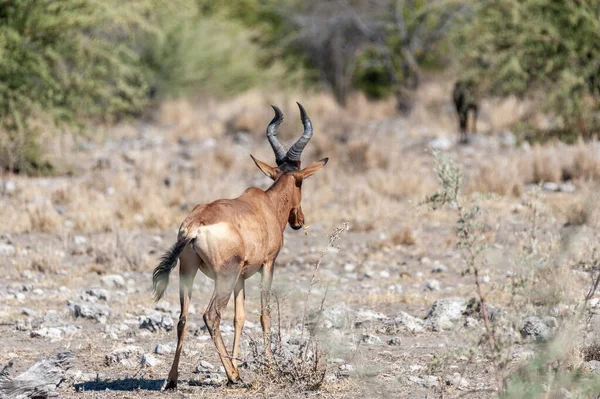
(405, 237)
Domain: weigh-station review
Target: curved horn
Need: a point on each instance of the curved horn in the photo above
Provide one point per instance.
(278, 148)
(295, 152)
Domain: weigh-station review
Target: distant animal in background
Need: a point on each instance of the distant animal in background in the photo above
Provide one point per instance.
(466, 101)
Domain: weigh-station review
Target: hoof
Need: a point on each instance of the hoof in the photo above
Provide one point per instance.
(238, 383)
(170, 384)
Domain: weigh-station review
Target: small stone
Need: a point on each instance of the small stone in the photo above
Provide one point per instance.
(384, 274)
(394, 341)
(540, 329)
(204, 367)
(444, 312)
(113, 280)
(440, 143)
(349, 267)
(22, 325)
(10, 186)
(366, 316)
(213, 379)
(149, 360)
(433, 285)
(439, 268)
(457, 380)
(27, 312)
(429, 381)
(403, 321)
(98, 293)
(345, 370)
(156, 321)
(593, 365)
(567, 187)
(370, 339)
(594, 302)
(121, 354)
(6, 249)
(165, 349)
(89, 310)
(425, 260)
(550, 186)
(79, 240)
(52, 333)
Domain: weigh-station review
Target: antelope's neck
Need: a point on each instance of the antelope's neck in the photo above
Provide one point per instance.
(280, 194)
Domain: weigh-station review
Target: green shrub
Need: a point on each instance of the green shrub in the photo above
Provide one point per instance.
(65, 63)
(549, 48)
(77, 62)
(205, 52)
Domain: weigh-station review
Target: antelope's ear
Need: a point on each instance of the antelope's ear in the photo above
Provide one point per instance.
(266, 169)
(313, 168)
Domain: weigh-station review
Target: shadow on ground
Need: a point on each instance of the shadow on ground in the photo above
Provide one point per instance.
(128, 384)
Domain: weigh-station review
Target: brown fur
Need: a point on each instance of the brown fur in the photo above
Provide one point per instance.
(230, 240)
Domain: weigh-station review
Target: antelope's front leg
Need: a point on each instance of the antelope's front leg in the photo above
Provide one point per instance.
(265, 317)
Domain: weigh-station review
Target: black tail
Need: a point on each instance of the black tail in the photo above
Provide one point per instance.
(160, 277)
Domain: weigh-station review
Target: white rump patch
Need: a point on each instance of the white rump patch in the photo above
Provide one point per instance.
(216, 230)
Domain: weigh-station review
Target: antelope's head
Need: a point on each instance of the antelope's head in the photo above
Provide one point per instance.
(288, 169)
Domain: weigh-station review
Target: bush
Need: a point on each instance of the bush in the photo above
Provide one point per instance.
(64, 63)
(76, 62)
(527, 47)
(203, 51)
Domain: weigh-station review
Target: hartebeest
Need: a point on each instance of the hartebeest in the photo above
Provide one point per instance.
(466, 102)
(229, 240)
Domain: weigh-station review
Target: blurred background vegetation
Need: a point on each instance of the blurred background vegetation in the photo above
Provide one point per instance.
(73, 63)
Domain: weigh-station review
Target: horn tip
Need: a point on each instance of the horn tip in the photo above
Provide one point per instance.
(303, 114)
(278, 113)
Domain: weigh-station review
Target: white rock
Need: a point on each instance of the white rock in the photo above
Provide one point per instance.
(444, 312)
(550, 186)
(10, 186)
(440, 143)
(149, 360)
(79, 240)
(384, 274)
(433, 285)
(113, 280)
(370, 339)
(404, 321)
(568, 187)
(204, 367)
(439, 268)
(6, 249)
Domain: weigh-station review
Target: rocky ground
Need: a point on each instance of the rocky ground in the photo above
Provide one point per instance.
(394, 304)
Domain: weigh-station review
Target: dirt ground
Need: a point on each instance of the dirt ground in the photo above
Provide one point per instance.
(91, 239)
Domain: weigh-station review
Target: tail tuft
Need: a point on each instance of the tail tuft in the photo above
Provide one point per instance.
(160, 277)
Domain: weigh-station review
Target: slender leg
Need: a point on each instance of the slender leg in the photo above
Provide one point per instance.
(265, 317)
(240, 317)
(212, 317)
(187, 272)
(463, 127)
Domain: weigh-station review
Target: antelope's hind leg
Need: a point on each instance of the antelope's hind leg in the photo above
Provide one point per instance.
(224, 285)
(188, 266)
(239, 295)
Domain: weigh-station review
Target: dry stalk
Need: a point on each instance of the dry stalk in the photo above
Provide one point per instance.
(333, 238)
